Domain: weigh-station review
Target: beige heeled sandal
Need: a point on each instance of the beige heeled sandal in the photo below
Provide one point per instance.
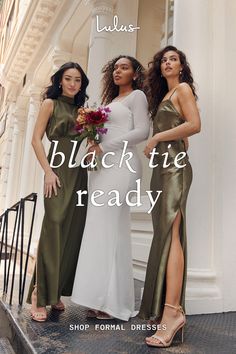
(163, 343)
(37, 316)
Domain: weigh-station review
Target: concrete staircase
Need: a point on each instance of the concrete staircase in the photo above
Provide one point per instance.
(12, 338)
(5, 346)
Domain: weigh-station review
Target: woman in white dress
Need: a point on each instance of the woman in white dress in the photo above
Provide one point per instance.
(104, 276)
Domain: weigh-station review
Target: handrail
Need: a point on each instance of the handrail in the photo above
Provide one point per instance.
(16, 242)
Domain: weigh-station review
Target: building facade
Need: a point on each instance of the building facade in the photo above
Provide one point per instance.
(37, 36)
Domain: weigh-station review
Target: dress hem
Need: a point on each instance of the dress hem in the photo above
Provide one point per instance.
(106, 310)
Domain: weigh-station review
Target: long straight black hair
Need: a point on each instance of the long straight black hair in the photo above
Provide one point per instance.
(55, 90)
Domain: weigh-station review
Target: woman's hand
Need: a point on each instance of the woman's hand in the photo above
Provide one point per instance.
(51, 182)
(90, 142)
(93, 148)
(96, 148)
(150, 146)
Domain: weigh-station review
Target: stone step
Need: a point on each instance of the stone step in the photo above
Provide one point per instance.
(5, 346)
(12, 338)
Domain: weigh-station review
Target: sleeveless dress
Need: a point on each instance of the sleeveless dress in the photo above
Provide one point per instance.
(63, 222)
(174, 183)
(104, 275)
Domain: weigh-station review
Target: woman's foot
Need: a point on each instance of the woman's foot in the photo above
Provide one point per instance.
(91, 313)
(59, 306)
(38, 314)
(173, 320)
(104, 316)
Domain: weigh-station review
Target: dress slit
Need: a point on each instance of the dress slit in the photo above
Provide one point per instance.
(161, 277)
(174, 183)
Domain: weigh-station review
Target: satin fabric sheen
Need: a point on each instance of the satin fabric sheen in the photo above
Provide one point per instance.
(174, 183)
(63, 222)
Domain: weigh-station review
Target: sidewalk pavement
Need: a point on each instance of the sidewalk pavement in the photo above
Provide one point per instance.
(70, 332)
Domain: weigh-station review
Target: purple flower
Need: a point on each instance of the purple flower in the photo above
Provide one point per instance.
(101, 130)
(80, 131)
(107, 109)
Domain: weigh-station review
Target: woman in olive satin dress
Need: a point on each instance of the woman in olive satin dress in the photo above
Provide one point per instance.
(172, 103)
(63, 222)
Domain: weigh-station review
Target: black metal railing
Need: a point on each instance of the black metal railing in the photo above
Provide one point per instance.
(16, 252)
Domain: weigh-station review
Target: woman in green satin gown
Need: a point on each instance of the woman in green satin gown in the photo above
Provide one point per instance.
(63, 222)
(172, 103)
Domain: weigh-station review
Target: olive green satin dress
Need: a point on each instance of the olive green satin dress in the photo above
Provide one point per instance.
(63, 222)
(174, 183)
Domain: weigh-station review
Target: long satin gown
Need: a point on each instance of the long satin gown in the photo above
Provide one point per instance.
(174, 183)
(63, 222)
(104, 275)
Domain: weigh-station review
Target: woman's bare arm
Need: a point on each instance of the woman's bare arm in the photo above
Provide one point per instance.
(192, 124)
(51, 179)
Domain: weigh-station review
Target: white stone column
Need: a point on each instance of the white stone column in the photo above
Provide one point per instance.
(7, 143)
(59, 57)
(12, 190)
(225, 146)
(193, 33)
(23, 5)
(126, 42)
(99, 46)
(29, 159)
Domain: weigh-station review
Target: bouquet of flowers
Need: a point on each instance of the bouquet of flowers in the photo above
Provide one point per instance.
(90, 124)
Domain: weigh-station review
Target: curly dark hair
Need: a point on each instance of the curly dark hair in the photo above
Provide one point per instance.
(55, 90)
(110, 90)
(156, 85)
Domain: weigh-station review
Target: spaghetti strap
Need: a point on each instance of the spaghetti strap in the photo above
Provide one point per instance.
(175, 184)
(173, 93)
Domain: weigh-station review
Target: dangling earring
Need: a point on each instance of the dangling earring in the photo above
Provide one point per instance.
(59, 86)
(180, 73)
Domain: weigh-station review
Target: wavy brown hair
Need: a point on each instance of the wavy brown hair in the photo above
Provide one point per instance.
(110, 90)
(156, 85)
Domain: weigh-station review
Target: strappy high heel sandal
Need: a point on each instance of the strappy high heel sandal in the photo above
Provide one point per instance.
(167, 343)
(104, 316)
(59, 306)
(37, 316)
(91, 313)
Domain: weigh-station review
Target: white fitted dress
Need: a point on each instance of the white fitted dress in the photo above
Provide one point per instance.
(104, 275)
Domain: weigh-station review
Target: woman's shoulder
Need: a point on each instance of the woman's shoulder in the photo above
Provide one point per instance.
(184, 92)
(47, 105)
(184, 88)
(138, 96)
(139, 93)
(47, 102)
